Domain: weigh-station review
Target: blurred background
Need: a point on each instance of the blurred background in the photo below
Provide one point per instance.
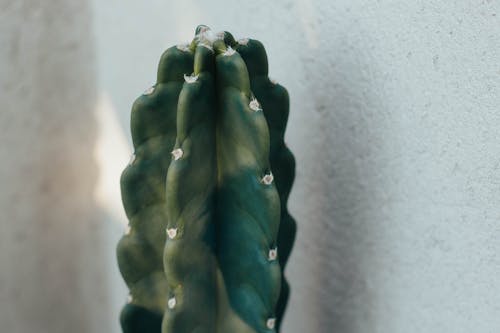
(394, 122)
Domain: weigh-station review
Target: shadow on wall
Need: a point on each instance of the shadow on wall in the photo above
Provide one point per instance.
(53, 264)
(345, 111)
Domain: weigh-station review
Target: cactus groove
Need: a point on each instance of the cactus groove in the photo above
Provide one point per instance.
(206, 194)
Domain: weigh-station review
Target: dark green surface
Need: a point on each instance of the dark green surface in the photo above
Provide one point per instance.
(227, 219)
(138, 319)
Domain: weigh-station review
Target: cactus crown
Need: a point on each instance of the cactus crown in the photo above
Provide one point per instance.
(208, 239)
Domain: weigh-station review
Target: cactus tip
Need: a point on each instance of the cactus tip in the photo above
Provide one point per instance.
(205, 35)
(129, 299)
(201, 29)
(229, 52)
(127, 229)
(183, 47)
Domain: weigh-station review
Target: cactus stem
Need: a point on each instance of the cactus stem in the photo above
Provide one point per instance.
(149, 91)
(255, 105)
(172, 232)
(273, 254)
(271, 322)
(177, 153)
(171, 303)
(267, 179)
(190, 78)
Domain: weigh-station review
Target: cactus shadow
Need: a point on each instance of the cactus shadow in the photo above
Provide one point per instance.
(344, 194)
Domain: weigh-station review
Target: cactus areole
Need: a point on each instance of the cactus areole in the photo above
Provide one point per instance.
(205, 193)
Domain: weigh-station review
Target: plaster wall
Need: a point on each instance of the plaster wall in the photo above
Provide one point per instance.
(394, 124)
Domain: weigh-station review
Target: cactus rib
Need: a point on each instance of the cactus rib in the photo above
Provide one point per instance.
(275, 103)
(140, 252)
(191, 184)
(247, 208)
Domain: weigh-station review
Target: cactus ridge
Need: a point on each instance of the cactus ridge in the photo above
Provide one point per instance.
(188, 257)
(202, 252)
(247, 208)
(275, 103)
(140, 251)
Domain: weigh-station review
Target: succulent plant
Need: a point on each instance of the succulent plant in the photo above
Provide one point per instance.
(218, 216)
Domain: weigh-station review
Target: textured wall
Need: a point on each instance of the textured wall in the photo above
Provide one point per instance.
(54, 238)
(395, 126)
(394, 123)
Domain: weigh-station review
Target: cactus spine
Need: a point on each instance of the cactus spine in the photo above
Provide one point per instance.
(221, 214)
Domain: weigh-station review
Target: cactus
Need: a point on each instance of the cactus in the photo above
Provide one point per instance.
(221, 211)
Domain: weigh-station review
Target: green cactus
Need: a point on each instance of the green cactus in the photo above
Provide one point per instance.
(223, 215)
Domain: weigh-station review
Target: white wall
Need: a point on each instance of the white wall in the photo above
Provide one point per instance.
(56, 246)
(394, 123)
